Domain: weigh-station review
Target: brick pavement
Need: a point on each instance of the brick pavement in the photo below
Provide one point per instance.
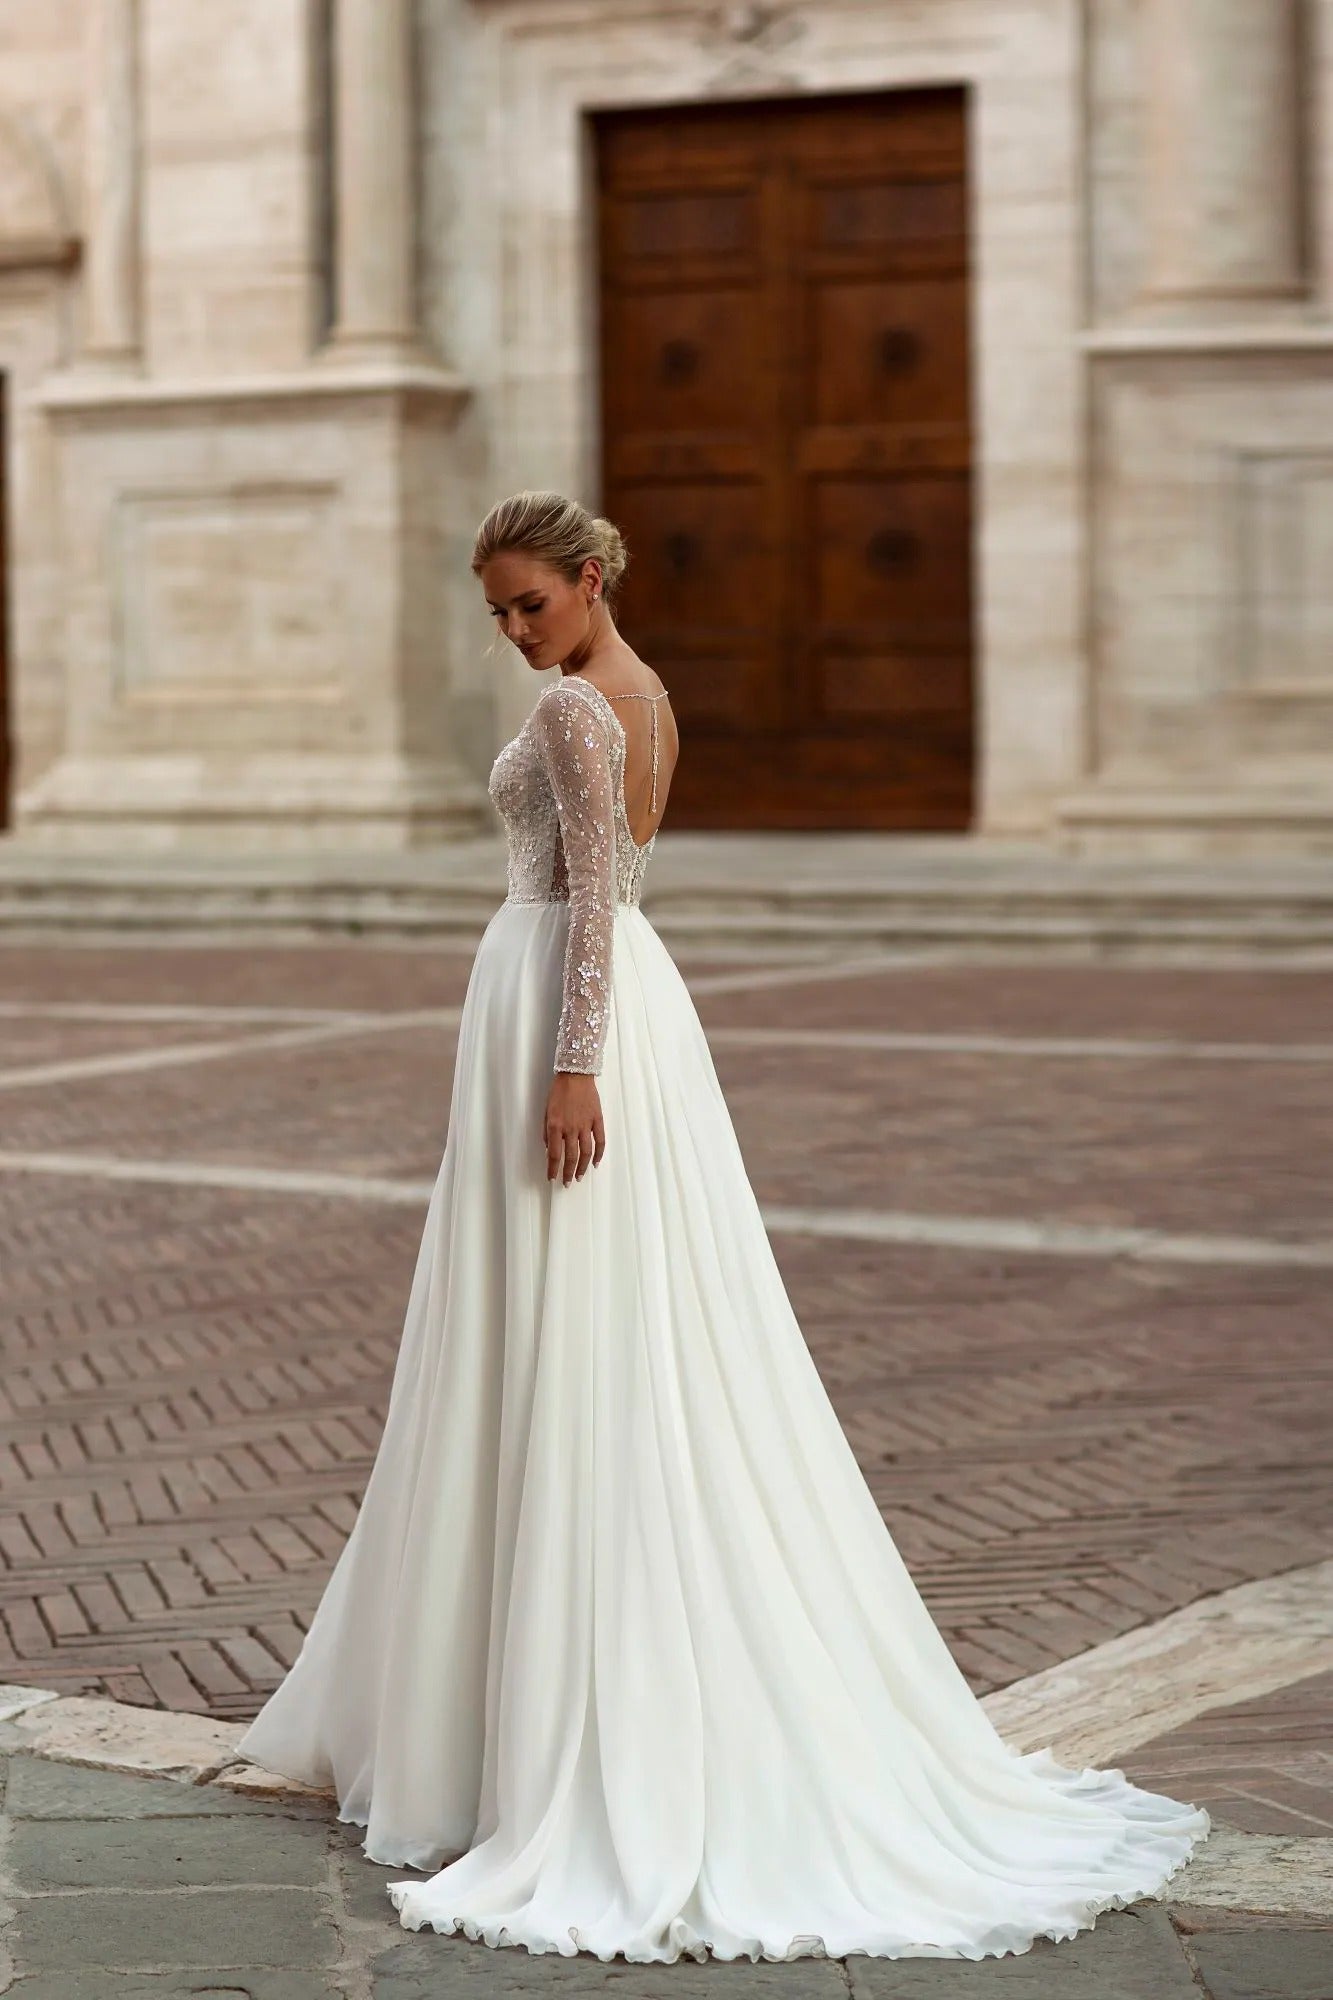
(1220, 1148)
(1258, 1006)
(195, 1378)
(1265, 1766)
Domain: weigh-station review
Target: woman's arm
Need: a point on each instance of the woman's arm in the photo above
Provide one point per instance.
(577, 758)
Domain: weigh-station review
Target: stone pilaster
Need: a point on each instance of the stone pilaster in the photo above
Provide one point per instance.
(374, 206)
(1222, 135)
(111, 193)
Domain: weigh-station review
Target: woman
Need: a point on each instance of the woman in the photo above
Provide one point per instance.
(620, 1649)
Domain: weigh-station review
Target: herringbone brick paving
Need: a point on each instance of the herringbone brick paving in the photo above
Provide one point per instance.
(1213, 1005)
(195, 1379)
(1264, 1765)
(1236, 1148)
(366, 1106)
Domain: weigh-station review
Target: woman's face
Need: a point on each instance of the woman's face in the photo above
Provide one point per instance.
(537, 609)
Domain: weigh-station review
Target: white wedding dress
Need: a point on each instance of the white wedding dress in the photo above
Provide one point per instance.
(620, 1649)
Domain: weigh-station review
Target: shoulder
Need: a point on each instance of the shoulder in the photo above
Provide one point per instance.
(568, 697)
(566, 705)
(565, 690)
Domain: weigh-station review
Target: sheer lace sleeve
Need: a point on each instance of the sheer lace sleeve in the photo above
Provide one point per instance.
(576, 754)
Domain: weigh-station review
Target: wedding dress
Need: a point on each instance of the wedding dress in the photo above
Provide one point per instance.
(620, 1650)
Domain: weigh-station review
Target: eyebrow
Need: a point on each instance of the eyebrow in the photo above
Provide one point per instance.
(533, 591)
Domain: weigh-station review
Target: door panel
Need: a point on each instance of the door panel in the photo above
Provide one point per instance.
(891, 353)
(786, 445)
(5, 747)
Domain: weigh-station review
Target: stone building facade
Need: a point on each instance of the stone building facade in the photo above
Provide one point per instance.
(290, 290)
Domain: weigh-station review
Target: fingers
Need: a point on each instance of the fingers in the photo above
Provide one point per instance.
(578, 1154)
(571, 1151)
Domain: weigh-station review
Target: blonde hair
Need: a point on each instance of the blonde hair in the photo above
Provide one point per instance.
(554, 531)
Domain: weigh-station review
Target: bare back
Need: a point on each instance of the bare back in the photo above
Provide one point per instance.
(644, 713)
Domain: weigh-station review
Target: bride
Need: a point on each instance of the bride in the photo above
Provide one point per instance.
(620, 1651)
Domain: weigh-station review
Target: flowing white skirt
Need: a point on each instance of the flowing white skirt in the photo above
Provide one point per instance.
(620, 1647)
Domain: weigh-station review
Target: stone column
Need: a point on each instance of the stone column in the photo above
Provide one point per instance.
(374, 209)
(111, 189)
(1222, 131)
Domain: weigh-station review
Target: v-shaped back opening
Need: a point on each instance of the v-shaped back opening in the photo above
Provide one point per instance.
(654, 702)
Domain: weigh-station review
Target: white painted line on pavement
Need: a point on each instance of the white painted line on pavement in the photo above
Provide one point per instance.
(889, 1041)
(221, 1174)
(1044, 1238)
(180, 1055)
(132, 1011)
(794, 972)
(1017, 1236)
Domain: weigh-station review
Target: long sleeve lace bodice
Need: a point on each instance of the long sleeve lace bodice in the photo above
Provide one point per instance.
(559, 787)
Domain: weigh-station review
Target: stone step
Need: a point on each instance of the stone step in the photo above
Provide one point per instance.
(721, 895)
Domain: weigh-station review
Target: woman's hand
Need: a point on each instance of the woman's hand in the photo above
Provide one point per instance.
(573, 1132)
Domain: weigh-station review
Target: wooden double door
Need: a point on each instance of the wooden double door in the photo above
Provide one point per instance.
(5, 751)
(787, 447)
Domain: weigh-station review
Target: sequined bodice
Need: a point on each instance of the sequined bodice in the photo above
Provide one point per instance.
(559, 788)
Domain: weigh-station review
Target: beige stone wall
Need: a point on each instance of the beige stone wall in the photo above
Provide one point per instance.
(232, 260)
(280, 319)
(41, 97)
(1210, 372)
(249, 453)
(41, 131)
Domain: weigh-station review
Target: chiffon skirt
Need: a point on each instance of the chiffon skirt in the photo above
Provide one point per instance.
(620, 1651)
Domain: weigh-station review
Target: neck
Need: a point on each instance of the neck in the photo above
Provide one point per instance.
(600, 638)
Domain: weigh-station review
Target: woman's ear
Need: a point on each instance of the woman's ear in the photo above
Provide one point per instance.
(592, 577)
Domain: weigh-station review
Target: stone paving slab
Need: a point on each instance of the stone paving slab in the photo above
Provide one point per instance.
(98, 1983)
(171, 1853)
(1128, 1955)
(274, 1907)
(439, 1968)
(1265, 1965)
(43, 1788)
(217, 1895)
(120, 1736)
(1263, 1874)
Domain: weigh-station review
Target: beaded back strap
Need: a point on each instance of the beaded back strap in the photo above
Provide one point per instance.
(633, 694)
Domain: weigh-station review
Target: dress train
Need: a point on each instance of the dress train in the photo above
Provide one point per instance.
(620, 1648)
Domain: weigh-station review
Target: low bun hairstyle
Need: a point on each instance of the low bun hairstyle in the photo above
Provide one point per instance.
(554, 531)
